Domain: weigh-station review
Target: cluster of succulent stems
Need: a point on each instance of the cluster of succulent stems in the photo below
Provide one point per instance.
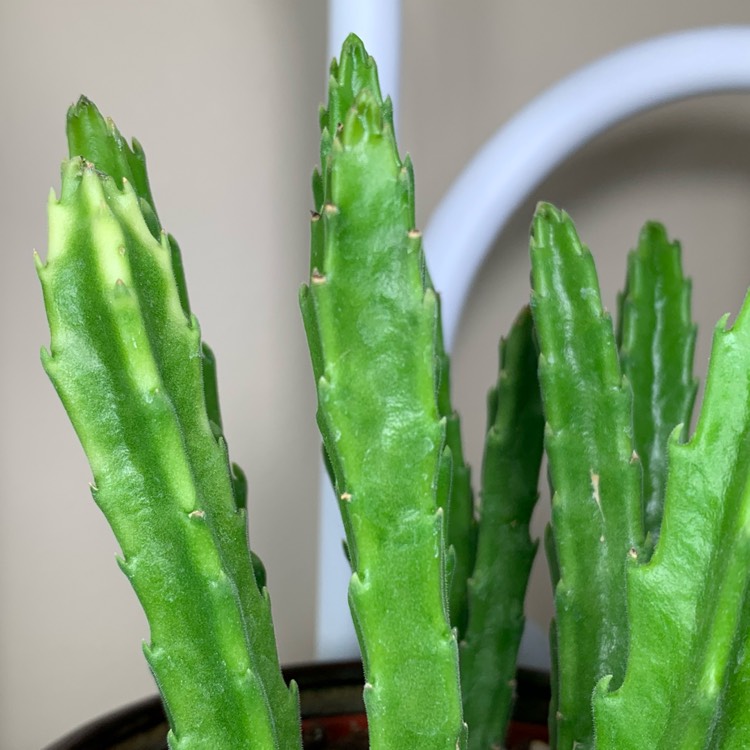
(648, 545)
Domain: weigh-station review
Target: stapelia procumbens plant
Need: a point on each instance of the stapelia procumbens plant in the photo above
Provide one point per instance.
(127, 360)
(649, 540)
(648, 543)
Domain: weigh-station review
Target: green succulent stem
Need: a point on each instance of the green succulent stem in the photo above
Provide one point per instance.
(505, 551)
(371, 320)
(656, 337)
(597, 521)
(139, 386)
(460, 523)
(690, 605)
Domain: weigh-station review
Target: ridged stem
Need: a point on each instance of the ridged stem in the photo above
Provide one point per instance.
(371, 322)
(460, 523)
(656, 337)
(128, 364)
(596, 508)
(689, 606)
(505, 552)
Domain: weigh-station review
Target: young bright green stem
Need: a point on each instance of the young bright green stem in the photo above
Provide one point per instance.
(98, 141)
(596, 508)
(127, 363)
(689, 666)
(505, 552)
(371, 324)
(656, 336)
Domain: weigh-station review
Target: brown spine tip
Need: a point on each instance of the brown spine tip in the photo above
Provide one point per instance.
(314, 216)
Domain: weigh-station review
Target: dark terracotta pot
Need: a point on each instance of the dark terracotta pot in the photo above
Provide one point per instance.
(332, 714)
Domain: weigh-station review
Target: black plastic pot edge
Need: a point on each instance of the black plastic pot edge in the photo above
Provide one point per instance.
(326, 689)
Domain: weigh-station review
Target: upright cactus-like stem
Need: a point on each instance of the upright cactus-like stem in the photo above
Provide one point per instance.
(460, 523)
(596, 508)
(371, 323)
(689, 658)
(656, 336)
(505, 552)
(128, 364)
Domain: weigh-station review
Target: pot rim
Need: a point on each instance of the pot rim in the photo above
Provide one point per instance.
(325, 688)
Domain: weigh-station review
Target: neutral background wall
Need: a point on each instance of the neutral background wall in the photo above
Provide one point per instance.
(224, 97)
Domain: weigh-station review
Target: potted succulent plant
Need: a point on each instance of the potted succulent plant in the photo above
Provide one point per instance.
(648, 542)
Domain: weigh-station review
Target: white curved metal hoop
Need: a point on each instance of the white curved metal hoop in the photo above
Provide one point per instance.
(462, 229)
(502, 174)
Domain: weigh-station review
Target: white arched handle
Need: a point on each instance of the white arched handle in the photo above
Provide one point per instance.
(545, 133)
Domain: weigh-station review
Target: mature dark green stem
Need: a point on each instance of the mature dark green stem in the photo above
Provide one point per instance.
(460, 523)
(505, 552)
(689, 664)
(596, 508)
(656, 337)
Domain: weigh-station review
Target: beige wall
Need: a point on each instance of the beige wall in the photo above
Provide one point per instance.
(224, 96)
